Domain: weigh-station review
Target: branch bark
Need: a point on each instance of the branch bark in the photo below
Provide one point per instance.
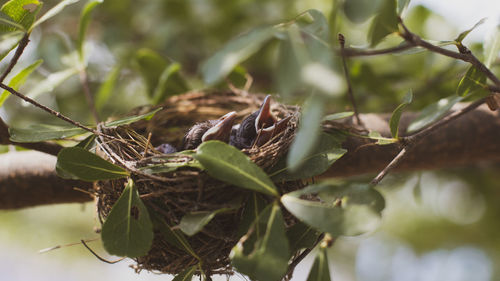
(29, 178)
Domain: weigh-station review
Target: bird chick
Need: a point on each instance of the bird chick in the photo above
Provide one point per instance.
(219, 129)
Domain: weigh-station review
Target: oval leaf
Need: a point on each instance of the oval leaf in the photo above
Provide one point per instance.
(87, 166)
(307, 136)
(474, 80)
(19, 79)
(52, 12)
(396, 114)
(192, 223)
(234, 52)
(320, 270)
(22, 12)
(268, 260)
(433, 112)
(41, 132)
(226, 163)
(384, 23)
(344, 210)
(128, 230)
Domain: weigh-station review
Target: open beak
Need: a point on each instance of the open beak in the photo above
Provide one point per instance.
(264, 135)
(222, 129)
(265, 118)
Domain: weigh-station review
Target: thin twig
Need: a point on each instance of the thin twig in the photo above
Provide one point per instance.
(88, 95)
(355, 52)
(98, 257)
(410, 141)
(47, 109)
(464, 54)
(350, 93)
(19, 51)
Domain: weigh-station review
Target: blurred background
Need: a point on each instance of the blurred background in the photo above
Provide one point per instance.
(438, 225)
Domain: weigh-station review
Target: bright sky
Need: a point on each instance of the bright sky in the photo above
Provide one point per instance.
(465, 13)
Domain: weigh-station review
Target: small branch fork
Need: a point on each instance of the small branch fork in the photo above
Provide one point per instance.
(464, 54)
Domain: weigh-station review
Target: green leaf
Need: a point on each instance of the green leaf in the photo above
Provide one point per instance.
(226, 163)
(269, 257)
(402, 5)
(106, 88)
(7, 24)
(374, 135)
(87, 166)
(84, 24)
(234, 52)
(170, 83)
(309, 130)
(22, 12)
(326, 152)
(433, 112)
(491, 46)
(151, 66)
(128, 230)
(323, 79)
(396, 114)
(339, 115)
(131, 119)
(173, 237)
(9, 41)
(88, 143)
(253, 207)
(320, 270)
(19, 79)
(52, 12)
(359, 11)
(384, 23)
(187, 274)
(50, 82)
(462, 35)
(474, 80)
(344, 209)
(193, 222)
(291, 55)
(43, 132)
(169, 167)
(301, 236)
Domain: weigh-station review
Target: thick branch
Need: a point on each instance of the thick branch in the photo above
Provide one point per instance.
(27, 179)
(30, 179)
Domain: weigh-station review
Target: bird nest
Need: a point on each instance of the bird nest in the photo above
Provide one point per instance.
(172, 194)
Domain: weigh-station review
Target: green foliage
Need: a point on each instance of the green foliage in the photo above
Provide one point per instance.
(9, 41)
(359, 11)
(186, 275)
(193, 222)
(43, 132)
(227, 163)
(162, 78)
(473, 81)
(128, 230)
(131, 119)
(106, 88)
(433, 112)
(464, 34)
(173, 237)
(308, 133)
(344, 210)
(87, 166)
(384, 23)
(52, 12)
(22, 12)
(337, 116)
(84, 24)
(265, 259)
(396, 114)
(19, 79)
(51, 82)
(301, 236)
(325, 153)
(492, 46)
(320, 270)
(234, 52)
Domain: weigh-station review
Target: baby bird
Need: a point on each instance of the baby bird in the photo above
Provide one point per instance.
(219, 129)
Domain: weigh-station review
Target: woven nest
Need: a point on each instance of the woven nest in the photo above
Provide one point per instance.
(174, 194)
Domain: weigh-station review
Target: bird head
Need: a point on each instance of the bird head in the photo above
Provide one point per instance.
(221, 129)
